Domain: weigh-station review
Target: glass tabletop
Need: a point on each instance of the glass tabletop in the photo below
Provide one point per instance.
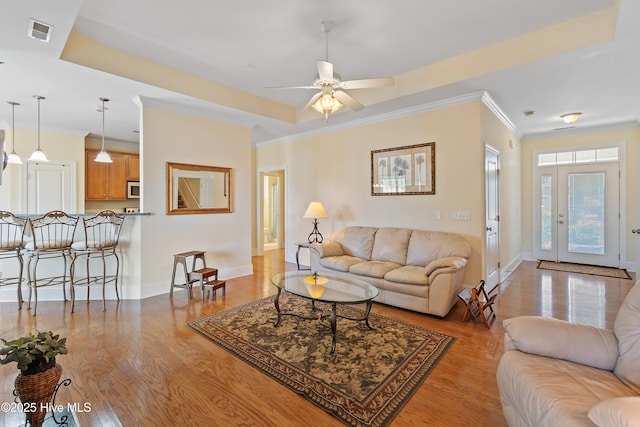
(325, 287)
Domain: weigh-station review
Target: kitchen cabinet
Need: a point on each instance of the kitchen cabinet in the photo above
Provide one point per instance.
(105, 181)
(133, 167)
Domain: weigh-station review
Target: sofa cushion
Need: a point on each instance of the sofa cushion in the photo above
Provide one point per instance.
(426, 246)
(410, 274)
(627, 330)
(391, 245)
(560, 339)
(357, 241)
(340, 263)
(373, 268)
(616, 412)
(553, 392)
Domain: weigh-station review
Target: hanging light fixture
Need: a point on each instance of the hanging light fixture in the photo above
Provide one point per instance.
(38, 155)
(13, 157)
(103, 156)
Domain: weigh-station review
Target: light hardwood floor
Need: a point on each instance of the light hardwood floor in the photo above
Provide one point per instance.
(137, 364)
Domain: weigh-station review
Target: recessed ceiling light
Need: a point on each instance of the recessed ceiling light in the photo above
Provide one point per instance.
(570, 117)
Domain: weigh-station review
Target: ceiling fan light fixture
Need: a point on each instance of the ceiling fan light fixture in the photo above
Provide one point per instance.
(327, 104)
(570, 117)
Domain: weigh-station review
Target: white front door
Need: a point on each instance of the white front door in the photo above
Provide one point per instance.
(50, 186)
(579, 215)
(492, 190)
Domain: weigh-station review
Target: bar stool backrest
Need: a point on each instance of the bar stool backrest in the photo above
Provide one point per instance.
(12, 230)
(52, 231)
(103, 230)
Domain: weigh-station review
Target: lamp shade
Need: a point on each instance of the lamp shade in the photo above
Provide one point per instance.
(103, 157)
(315, 210)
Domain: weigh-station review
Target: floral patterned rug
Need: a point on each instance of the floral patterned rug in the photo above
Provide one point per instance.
(365, 382)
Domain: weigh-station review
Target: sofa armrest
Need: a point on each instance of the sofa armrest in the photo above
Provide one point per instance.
(616, 412)
(327, 249)
(445, 265)
(559, 339)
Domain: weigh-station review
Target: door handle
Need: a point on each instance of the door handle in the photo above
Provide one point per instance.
(561, 222)
(636, 231)
(489, 229)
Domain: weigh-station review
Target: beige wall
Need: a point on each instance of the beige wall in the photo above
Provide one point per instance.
(335, 168)
(226, 238)
(631, 138)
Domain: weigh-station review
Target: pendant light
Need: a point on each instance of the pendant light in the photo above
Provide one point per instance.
(38, 155)
(13, 158)
(103, 156)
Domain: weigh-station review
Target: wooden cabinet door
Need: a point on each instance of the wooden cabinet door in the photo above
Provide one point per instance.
(117, 177)
(95, 183)
(133, 167)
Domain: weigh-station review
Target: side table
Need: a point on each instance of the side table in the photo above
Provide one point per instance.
(301, 245)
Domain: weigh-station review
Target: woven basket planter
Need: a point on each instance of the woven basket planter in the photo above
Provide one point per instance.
(35, 391)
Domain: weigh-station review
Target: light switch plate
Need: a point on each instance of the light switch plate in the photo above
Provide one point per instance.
(462, 216)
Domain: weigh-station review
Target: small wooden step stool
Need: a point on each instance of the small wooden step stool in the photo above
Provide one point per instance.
(194, 275)
(203, 276)
(477, 302)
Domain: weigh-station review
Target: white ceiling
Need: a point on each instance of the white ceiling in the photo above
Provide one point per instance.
(251, 45)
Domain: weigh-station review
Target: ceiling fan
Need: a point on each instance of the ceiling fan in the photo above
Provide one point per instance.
(332, 95)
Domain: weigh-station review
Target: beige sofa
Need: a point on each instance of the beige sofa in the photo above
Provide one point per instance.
(413, 269)
(555, 373)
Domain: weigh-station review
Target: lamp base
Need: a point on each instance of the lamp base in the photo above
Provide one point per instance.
(315, 236)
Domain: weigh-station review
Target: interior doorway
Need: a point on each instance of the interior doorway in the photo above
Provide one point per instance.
(272, 218)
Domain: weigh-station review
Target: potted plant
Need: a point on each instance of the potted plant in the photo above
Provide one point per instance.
(35, 356)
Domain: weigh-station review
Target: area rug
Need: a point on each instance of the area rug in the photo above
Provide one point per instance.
(365, 382)
(585, 269)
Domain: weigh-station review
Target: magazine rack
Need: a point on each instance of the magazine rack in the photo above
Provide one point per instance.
(478, 304)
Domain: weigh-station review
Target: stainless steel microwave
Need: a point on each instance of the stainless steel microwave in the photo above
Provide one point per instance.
(133, 189)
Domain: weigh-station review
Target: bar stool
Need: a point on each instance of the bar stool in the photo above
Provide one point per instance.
(12, 239)
(52, 236)
(102, 233)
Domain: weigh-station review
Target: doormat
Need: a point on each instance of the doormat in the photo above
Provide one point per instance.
(584, 269)
(365, 382)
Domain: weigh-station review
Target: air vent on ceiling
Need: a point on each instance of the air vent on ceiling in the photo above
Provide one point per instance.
(39, 30)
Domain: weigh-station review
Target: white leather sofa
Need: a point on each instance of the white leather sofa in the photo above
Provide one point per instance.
(413, 269)
(556, 373)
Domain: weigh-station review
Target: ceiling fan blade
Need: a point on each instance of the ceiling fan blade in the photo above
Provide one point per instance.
(325, 71)
(313, 99)
(367, 83)
(348, 100)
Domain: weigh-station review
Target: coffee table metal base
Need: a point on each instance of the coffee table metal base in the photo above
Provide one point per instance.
(333, 316)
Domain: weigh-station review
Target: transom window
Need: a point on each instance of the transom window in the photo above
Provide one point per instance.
(596, 155)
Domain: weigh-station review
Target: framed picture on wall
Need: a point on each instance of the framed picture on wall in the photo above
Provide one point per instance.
(409, 170)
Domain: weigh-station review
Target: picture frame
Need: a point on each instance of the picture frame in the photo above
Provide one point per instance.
(404, 171)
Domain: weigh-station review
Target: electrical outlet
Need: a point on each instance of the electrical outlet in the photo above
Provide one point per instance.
(462, 216)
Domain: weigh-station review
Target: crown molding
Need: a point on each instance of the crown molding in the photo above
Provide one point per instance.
(430, 106)
(495, 109)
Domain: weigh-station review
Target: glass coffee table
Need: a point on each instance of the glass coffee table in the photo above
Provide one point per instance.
(326, 288)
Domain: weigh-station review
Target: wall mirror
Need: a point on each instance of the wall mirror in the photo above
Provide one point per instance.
(196, 189)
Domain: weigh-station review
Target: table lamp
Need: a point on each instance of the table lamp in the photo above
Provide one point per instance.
(315, 211)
